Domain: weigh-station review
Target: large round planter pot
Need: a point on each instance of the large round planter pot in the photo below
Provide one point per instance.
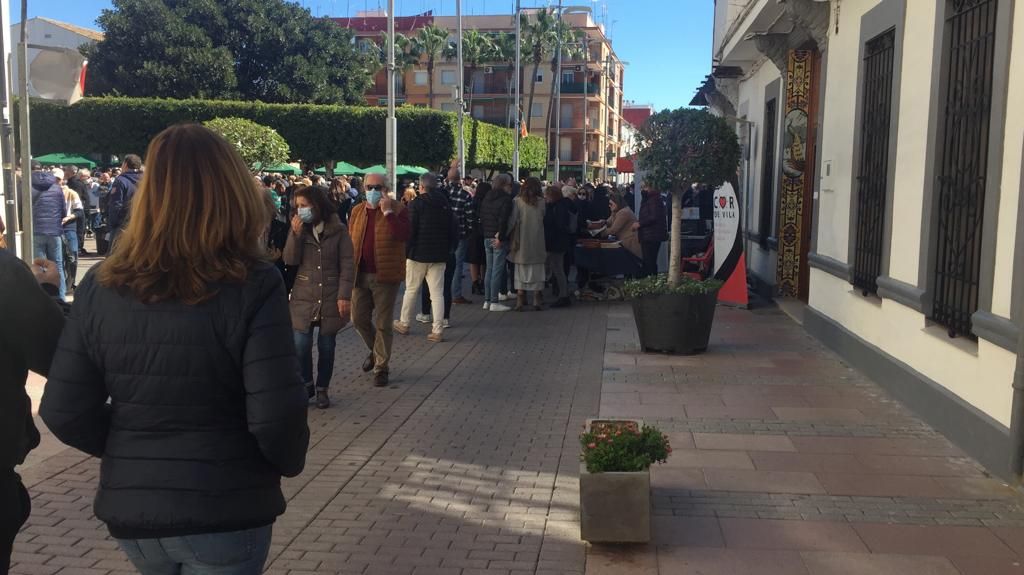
(679, 324)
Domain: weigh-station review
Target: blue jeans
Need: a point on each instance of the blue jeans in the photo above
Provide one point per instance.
(325, 345)
(460, 268)
(231, 553)
(494, 283)
(71, 237)
(52, 248)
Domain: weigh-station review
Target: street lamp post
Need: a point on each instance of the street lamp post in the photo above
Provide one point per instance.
(27, 231)
(515, 141)
(460, 98)
(391, 141)
(558, 94)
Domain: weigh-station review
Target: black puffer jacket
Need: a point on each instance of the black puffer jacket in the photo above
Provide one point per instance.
(31, 324)
(207, 409)
(434, 230)
(494, 215)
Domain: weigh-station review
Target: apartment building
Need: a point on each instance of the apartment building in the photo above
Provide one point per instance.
(883, 185)
(590, 114)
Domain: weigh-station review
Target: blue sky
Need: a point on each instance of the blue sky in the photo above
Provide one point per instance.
(667, 43)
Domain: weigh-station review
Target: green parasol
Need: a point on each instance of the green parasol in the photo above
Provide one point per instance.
(65, 160)
(279, 168)
(340, 169)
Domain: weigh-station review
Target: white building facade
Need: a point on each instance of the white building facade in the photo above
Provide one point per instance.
(910, 251)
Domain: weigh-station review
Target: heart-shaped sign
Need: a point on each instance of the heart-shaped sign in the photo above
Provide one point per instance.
(721, 201)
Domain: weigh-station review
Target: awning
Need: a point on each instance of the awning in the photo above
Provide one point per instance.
(624, 165)
(65, 160)
(279, 169)
(340, 169)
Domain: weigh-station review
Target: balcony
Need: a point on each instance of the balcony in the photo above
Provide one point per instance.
(581, 87)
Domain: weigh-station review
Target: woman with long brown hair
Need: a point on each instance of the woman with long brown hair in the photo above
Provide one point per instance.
(528, 252)
(178, 369)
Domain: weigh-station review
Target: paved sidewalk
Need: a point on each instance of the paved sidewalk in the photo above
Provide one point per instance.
(785, 462)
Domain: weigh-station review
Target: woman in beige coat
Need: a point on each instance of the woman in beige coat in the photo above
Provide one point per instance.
(528, 252)
(621, 226)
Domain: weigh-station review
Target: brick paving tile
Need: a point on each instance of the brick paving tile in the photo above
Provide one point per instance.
(698, 561)
(838, 563)
(791, 535)
(977, 565)
(932, 540)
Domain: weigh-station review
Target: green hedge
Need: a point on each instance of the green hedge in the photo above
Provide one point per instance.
(316, 133)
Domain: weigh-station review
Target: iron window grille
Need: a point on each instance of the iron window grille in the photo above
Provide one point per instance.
(969, 57)
(768, 172)
(873, 174)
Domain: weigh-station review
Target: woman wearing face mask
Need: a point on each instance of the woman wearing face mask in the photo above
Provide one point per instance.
(320, 248)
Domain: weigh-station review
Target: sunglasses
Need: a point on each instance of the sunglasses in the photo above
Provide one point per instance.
(376, 188)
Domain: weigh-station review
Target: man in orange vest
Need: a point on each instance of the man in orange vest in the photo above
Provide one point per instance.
(379, 228)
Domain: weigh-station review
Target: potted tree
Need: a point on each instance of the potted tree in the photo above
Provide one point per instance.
(615, 479)
(676, 148)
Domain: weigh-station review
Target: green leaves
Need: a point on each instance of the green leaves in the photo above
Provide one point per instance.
(255, 143)
(678, 147)
(314, 133)
(610, 446)
(266, 50)
(660, 285)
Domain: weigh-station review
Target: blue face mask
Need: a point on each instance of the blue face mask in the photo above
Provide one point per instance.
(306, 214)
(373, 197)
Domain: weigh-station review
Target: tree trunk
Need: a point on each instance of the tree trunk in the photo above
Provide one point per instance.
(675, 246)
(329, 170)
(430, 80)
(533, 88)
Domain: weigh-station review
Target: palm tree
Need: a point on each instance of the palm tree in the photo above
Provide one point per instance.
(538, 39)
(503, 53)
(572, 51)
(431, 42)
(407, 55)
(476, 50)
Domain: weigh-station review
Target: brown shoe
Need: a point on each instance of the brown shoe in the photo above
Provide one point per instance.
(380, 379)
(435, 337)
(400, 328)
(461, 301)
(520, 301)
(323, 401)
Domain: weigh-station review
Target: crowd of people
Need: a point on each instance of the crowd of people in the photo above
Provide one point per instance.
(194, 338)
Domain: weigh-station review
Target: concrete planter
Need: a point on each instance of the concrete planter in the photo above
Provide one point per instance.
(615, 507)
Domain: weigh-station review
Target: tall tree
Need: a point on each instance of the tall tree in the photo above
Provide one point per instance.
(407, 56)
(275, 50)
(572, 51)
(431, 42)
(538, 38)
(476, 50)
(188, 63)
(503, 53)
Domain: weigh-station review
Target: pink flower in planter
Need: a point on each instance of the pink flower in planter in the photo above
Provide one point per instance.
(591, 446)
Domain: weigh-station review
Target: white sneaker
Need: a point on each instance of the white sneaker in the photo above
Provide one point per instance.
(424, 318)
(446, 324)
(503, 297)
(487, 306)
(500, 307)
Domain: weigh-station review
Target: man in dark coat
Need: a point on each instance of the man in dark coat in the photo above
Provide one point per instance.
(28, 337)
(433, 236)
(121, 193)
(652, 230)
(48, 211)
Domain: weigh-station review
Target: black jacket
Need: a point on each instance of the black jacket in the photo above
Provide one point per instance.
(31, 324)
(433, 231)
(558, 234)
(652, 218)
(119, 206)
(495, 213)
(206, 406)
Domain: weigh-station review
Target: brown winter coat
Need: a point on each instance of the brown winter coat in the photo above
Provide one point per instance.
(388, 249)
(325, 275)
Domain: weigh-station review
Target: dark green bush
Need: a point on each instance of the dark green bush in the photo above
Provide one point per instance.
(316, 133)
(622, 446)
